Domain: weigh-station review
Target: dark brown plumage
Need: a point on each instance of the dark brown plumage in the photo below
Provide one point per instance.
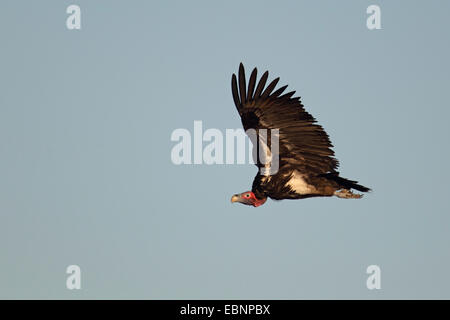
(307, 166)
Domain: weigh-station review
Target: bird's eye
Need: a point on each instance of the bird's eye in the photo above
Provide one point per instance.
(247, 195)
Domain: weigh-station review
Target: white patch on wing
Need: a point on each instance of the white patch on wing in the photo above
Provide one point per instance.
(299, 185)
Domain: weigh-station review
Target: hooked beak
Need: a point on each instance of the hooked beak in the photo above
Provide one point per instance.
(235, 198)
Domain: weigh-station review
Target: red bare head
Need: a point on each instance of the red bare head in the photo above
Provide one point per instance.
(248, 198)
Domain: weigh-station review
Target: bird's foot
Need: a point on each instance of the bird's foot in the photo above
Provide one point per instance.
(347, 194)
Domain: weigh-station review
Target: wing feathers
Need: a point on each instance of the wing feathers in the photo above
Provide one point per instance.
(278, 91)
(251, 84)
(242, 86)
(261, 84)
(270, 88)
(234, 90)
(302, 143)
(287, 96)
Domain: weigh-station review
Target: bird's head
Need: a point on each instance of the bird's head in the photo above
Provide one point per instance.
(248, 198)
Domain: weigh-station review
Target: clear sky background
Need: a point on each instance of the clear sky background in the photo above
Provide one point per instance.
(86, 176)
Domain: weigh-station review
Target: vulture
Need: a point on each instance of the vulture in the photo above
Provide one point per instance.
(305, 162)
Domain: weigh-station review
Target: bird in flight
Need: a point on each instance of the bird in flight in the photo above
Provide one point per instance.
(305, 163)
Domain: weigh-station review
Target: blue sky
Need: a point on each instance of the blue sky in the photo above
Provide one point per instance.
(86, 177)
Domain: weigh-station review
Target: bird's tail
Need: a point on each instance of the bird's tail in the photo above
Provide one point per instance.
(345, 183)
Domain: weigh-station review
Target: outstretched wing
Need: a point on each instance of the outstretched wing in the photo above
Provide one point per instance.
(303, 144)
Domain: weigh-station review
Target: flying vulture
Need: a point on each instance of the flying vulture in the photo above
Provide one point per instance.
(306, 166)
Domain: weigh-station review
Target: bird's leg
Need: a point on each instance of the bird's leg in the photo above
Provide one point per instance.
(347, 194)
